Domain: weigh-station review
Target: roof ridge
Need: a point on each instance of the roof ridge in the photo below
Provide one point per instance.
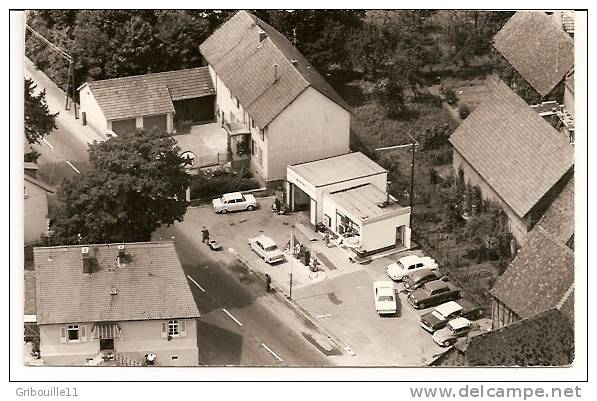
(139, 244)
(146, 74)
(565, 296)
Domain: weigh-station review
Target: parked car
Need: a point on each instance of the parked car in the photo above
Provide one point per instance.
(418, 278)
(438, 318)
(454, 329)
(385, 297)
(233, 202)
(266, 248)
(433, 293)
(409, 265)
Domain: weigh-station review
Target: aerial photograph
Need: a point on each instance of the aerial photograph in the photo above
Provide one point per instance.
(297, 188)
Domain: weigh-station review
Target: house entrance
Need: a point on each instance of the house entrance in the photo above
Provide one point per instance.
(106, 344)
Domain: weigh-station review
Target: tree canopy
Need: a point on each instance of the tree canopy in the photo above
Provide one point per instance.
(39, 122)
(137, 183)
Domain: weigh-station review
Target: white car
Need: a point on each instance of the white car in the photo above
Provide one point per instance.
(266, 248)
(409, 265)
(455, 328)
(385, 297)
(234, 202)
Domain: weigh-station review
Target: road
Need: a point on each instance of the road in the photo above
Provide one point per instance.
(64, 151)
(241, 324)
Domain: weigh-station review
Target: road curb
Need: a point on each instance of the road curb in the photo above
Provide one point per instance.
(295, 306)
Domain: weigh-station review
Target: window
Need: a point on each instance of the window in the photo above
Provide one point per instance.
(252, 123)
(173, 328)
(237, 104)
(260, 156)
(253, 147)
(262, 134)
(73, 332)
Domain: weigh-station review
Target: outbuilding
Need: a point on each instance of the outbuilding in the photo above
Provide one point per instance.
(159, 100)
(347, 194)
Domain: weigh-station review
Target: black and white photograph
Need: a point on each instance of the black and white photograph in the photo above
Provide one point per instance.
(300, 188)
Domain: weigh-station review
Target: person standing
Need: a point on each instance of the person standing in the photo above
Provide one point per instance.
(205, 235)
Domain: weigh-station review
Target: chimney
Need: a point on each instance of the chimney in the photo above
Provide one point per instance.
(122, 259)
(262, 36)
(89, 261)
(275, 72)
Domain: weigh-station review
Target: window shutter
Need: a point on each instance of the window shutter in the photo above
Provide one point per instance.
(63, 334)
(182, 328)
(83, 333)
(164, 329)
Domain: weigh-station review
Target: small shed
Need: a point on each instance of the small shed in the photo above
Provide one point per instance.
(159, 100)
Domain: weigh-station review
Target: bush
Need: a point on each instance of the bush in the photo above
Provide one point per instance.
(464, 110)
(450, 96)
(218, 182)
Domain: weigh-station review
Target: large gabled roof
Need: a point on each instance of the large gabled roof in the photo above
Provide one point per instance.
(246, 66)
(518, 153)
(540, 50)
(150, 94)
(540, 277)
(151, 285)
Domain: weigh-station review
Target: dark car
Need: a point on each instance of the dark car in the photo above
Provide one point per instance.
(438, 317)
(418, 279)
(433, 293)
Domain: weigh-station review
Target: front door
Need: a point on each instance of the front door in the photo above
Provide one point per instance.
(106, 344)
(399, 236)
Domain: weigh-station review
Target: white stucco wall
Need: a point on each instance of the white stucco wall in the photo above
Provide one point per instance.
(379, 181)
(518, 225)
(312, 127)
(137, 339)
(95, 116)
(36, 212)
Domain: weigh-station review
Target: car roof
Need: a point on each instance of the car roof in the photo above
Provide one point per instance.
(436, 284)
(265, 240)
(409, 260)
(459, 323)
(232, 195)
(422, 273)
(448, 308)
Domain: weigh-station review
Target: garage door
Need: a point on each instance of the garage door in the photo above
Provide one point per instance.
(151, 122)
(123, 126)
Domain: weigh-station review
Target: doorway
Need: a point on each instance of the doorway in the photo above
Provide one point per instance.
(106, 344)
(400, 236)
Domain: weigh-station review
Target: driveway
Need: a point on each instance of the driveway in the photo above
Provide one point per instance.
(339, 297)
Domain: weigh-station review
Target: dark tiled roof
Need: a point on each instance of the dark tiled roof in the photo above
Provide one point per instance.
(150, 94)
(540, 277)
(152, 285)
(246, 67)
(558, 220)
(537, 48)
(518, 153)
(543, 340)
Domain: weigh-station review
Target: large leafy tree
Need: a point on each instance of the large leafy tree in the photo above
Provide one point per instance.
(137, 183)
(39, 122)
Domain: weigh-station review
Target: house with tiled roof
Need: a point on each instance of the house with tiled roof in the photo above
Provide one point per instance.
(157, 100)
(540, 47)
(277, 108)
(545, 339)
(513, 155)
(124, 300)
(35, 204)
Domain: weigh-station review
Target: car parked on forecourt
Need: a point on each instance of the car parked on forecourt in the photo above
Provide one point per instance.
(454, 329)
(385, 297)
(234, 202)
(438, 317)
(409, 265)
(419, 278)
(433, 293)
(266, 248)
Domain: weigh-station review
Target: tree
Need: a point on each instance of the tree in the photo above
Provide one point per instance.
(39, 122)
(136, 184)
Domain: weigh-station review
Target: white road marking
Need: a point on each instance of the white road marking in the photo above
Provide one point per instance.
(73, 167)
(47, 143)
(272, 352)
(196, 283)
(232, 317)
(322, 316)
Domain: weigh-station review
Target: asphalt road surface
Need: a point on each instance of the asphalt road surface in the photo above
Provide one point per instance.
(64, 151)
(241, 324)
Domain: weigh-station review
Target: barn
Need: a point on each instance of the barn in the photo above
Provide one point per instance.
(164, 100)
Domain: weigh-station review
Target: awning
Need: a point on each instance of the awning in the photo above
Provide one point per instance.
(106, 331)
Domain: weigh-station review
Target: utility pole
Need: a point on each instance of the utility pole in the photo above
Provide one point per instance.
(412, 177)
